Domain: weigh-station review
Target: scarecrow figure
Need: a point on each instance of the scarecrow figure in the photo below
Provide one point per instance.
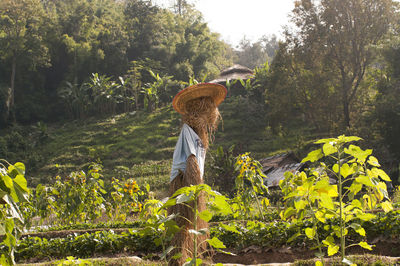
(198, 106)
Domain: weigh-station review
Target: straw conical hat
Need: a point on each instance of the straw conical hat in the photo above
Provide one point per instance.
(216, 91)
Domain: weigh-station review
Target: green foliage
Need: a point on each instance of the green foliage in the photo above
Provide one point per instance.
(79, 197)
(126, 198)
(13, 192)
(320, 69)
(21, 42)
(255, 54)
(81, 37)
(311, 196)
(216, 203)
(84, 245)
(249, 185)
(159, 224)
(220, 169)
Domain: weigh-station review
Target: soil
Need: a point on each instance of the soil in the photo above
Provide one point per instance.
(258, 255)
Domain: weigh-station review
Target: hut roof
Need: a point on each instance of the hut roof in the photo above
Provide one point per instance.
(275, 167)
(234, 72)
(277, 174)
(277, 161)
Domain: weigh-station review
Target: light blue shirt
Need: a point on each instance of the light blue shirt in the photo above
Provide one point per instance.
(188, 143)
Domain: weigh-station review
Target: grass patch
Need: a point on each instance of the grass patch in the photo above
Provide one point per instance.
(140, 145)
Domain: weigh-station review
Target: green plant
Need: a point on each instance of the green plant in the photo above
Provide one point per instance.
(249, 185)
(217, 203)
(159, 224)
(79, 197)
(105, 93)
(13, 191)
(153, 91)
(125, 198)
(311, 196)
(221, 171)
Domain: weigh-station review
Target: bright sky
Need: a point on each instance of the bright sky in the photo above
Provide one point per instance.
(234, 19)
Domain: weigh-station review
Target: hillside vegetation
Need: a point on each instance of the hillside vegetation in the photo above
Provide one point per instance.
(140, 144)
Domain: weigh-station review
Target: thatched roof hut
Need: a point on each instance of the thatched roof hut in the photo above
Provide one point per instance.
(275, 167)
(232, 73)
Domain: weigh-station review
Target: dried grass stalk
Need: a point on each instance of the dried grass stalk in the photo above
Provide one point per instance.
(203, 117)
(183, 241)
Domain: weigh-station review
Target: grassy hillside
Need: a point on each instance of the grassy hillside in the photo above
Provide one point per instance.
(141, 144)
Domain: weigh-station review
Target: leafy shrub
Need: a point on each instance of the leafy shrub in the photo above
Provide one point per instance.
(310, 195)
(13, 191)
(79, 197)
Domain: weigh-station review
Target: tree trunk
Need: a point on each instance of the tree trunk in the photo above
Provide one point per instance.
(10, 110)
(345, 100)
(346, 112)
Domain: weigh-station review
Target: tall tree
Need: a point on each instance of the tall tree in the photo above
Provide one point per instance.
(344, 32)
(20, 39)
(255, 54)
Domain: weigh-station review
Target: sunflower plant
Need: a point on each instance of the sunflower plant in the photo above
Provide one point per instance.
(344, 185)
(126, 198)
(250, 186)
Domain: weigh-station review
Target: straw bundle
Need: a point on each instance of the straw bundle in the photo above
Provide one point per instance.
(202, 116)
(183, 241)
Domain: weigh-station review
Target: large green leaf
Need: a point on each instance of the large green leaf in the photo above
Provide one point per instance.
(352, 138)
(222, 205)
(313, 156)
(373, 161)
(229, 228)
(20, 167)
(326, 201)
(365, 245)
(332, 250)
(358, 153)
(310, 232)
(300, 204)
(381, 174)
(365, 180)
(329, 149)
(185, 198)
(216, 243)
(205, 215)
(320, 141)
(346, 170)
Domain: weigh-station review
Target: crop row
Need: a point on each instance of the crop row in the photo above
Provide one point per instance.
(234, 235)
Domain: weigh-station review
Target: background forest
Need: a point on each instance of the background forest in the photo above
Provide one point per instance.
(67, 64)
(85, 115)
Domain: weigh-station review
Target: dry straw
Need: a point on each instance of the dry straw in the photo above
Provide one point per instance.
(182, 240)
(198, 106)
